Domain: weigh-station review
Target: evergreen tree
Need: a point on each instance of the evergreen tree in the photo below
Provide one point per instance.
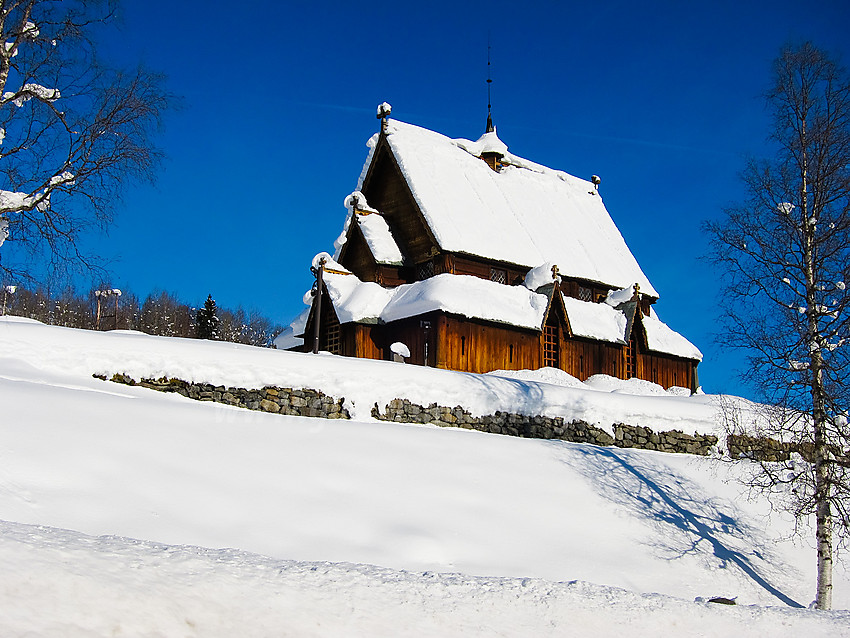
(207, 320)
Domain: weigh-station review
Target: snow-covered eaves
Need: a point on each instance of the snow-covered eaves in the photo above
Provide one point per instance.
(595, 320)
(601, 321)
(288, 338)
(378, 237)
(661, 338)
(360, 301)
(525, 214)
(357, 301)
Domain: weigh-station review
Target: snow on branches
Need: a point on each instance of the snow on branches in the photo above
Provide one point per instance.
(73, 130)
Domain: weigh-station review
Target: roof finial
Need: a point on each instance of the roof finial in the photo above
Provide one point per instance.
(384, 110)
(490, 127)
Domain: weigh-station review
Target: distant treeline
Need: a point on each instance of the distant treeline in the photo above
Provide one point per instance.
(161, 313)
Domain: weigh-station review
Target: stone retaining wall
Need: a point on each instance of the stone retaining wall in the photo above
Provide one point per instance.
(313, 403)
(295, 402)
(758, 449)
(770, 450)
(543, 427)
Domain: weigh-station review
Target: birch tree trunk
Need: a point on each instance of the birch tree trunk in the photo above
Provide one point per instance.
(785, 254)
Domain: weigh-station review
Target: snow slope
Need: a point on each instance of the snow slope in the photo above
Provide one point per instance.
(71, 585)
(116, 463)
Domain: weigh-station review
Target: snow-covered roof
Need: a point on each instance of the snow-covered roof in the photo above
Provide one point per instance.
(287, 338)
(368, 302)
(595, 320)
(487, 143)
(601, 321)
(525, 214)
(473, 297)
(377, 233)
(661, 338)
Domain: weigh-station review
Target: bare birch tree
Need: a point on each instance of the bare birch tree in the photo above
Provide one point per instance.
(785, 254)
(72, 129)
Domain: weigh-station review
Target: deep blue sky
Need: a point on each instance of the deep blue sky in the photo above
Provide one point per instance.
(661, 99)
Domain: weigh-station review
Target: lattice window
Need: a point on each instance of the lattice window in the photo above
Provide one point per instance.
(585, 294)
(331, 341)
(551, 346)
(425, 270)
(631, 367)
(499, 275)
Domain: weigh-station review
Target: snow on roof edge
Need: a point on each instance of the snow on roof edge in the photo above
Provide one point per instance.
(591, 263)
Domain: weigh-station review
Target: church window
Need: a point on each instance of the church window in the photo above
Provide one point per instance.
(585, 294)
(551, 345)
(631, 357)
(330, 323)
(425, 270)
(499, 275)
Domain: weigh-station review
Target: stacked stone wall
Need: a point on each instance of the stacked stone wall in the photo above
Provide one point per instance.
(313, 403)
(544, 427)
(274, 399)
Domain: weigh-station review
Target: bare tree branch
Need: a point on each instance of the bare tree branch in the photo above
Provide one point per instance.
(785, 257)
(73, 131)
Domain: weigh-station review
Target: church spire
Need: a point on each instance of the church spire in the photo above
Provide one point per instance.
(490, 127)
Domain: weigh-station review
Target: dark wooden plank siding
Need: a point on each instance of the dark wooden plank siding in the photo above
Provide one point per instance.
(666, 370)
(366, 344)
(357, 257)
(459, 343)
(583, 358)
(467, 265)
(386, 190)
(477, 347)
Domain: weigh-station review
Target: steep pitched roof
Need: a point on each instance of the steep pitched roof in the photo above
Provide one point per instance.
(525, 214)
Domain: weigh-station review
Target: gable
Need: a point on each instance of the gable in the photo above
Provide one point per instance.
(386, 189)
(356, 256)
(526, 214)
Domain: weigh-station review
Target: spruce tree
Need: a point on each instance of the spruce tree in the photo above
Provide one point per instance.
(207, 320)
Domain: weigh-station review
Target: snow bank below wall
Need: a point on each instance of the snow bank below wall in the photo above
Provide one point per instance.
(138, 355)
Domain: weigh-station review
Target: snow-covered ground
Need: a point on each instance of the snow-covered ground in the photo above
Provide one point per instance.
(115, 499)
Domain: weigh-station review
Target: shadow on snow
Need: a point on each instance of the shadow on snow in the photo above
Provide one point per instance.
(689, 521)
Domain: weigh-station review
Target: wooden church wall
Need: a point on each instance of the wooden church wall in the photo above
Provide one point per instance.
(477, 347)
(365, 344)
(457, 343)
(583, 358)
(666, 370)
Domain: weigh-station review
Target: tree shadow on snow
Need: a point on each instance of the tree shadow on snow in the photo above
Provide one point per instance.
(688, 520)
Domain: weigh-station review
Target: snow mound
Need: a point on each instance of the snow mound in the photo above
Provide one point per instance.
(606, 383)
(553, 376)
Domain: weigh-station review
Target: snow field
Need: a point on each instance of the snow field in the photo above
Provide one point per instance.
(475, 534)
